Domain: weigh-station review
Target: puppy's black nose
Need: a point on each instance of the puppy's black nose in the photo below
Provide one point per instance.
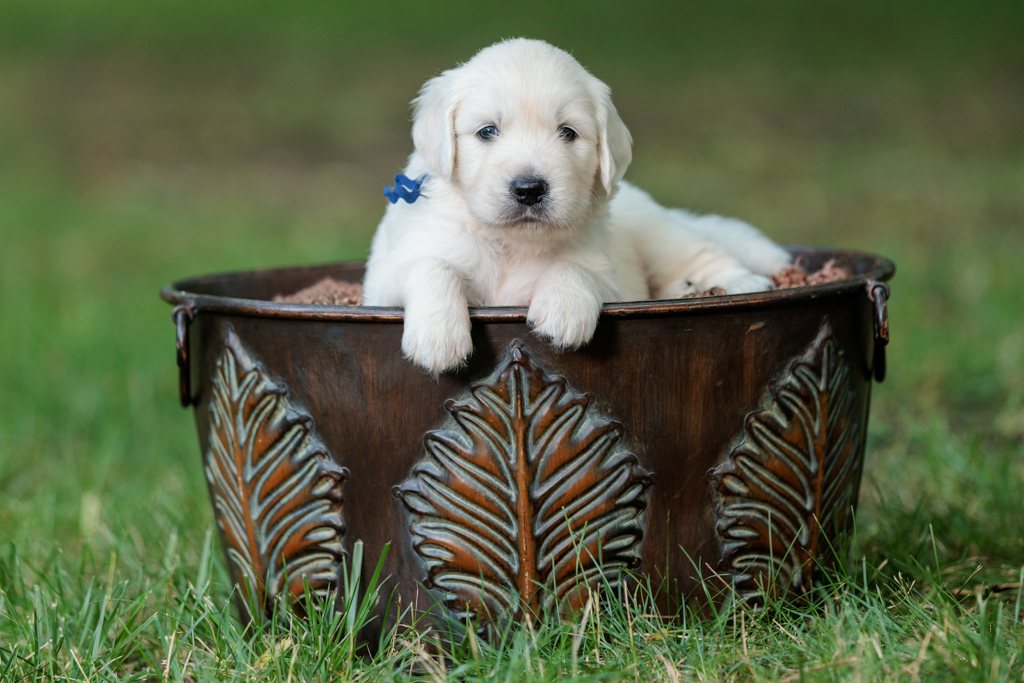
(529, 191)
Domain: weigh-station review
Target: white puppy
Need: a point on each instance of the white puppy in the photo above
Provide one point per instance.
(521, 153)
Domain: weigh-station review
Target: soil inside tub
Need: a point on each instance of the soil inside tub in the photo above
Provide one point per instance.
(331, 292)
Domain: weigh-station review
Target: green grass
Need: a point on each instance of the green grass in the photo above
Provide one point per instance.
(143, 142)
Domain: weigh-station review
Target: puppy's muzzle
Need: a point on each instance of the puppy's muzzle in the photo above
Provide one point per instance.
(529, 191)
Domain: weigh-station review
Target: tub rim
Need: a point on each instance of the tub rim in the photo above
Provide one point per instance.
(179, 292)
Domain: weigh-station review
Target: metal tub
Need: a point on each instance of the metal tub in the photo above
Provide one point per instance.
(711, 448)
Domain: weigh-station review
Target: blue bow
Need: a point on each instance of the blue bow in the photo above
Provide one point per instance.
(405, 188)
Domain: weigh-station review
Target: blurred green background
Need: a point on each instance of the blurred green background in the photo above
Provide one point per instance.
(142, 142)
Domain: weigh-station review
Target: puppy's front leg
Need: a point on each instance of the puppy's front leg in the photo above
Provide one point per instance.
(437, 329)
(565, 306)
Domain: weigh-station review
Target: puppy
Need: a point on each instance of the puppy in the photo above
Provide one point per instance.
(521, 156)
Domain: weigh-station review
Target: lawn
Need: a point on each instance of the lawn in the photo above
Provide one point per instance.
(144, 142)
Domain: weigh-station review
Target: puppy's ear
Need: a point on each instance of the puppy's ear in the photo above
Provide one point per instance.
(614, 143)
(433, 127)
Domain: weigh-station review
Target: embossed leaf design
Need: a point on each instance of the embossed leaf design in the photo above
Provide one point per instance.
(785, 491)
(525, 498)
(276, 492)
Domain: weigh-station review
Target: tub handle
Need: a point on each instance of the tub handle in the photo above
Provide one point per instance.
(183, 314)
(879, 293)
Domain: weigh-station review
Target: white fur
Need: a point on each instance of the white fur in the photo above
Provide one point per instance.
(467, 242)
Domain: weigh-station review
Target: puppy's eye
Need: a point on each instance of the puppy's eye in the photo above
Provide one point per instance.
(567, 133)
(487, 133)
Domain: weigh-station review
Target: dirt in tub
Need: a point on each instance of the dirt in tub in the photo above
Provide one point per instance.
(331, 292)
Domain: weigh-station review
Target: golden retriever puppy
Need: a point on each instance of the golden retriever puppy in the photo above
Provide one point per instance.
(519, 161)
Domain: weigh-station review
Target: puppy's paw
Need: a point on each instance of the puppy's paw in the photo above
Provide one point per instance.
(437, 342)
(743, 283)
(678, 289)
(768, 259)
(567, 318)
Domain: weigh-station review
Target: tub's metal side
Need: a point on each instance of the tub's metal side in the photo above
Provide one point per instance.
(711, 448)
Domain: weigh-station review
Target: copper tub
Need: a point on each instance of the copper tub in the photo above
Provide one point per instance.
(704, 443)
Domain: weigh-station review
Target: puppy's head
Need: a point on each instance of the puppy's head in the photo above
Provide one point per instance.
(527, 136)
